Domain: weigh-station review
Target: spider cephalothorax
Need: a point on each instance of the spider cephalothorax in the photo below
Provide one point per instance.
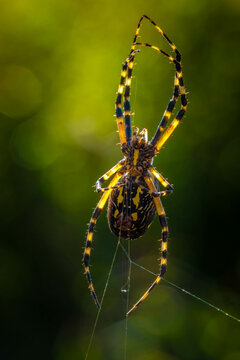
(139, 154)
(132, 195)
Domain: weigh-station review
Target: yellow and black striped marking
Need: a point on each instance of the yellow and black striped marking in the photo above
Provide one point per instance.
(130, 208)
(158, 140)
(178, 56)
(178, 84)
(124, 128)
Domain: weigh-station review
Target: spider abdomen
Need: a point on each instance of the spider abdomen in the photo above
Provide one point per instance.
(131, 208)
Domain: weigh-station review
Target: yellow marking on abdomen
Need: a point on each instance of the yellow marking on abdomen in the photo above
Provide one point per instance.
(120, 196)
(136, 198)
(116, 213)
(134, 216)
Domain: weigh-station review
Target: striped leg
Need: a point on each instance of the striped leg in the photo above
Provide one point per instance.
(118, 107)
(178, 56)
(111, 188)
(88, 246)
(163, 182)
(158, 141)
(163, 261)
(172, 102)
(168, 112)
(125, 133)
(107, 175)
(127, 106)
(161, 179)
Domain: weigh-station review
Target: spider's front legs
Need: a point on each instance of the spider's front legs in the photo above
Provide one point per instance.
(88, 246)
(125, 132)
(159, 139)
(107, 175)
(178, 55)
(163, 261)
(167, 113)
(178, 81)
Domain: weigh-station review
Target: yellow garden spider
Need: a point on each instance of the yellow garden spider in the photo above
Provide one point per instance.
(133, 196)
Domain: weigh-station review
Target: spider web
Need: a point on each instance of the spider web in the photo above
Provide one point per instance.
(126, 289)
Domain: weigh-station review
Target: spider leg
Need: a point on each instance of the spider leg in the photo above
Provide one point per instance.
(107, 175)
(88, 246)
(178, 55)
(118, 107)
(172, 102)
(163, 261)
(111, 187)
(158, 140)
(163, 182)
(167, 113)
(125, 133)
(127, 106)
(157, 193)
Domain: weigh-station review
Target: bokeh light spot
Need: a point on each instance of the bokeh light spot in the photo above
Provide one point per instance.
(33, 147)
(20, 91)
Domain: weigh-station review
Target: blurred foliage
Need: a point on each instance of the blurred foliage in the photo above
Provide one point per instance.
(60, 64)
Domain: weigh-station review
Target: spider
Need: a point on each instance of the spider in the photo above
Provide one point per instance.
(132, 194)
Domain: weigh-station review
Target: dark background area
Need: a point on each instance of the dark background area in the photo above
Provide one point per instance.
(60, 64)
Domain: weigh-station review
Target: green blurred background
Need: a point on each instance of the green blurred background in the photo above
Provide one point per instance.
(60, 63)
